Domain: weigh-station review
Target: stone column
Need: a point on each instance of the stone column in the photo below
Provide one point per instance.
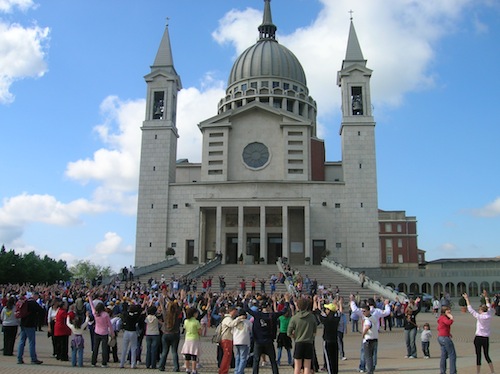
(263, 239)
(286, 239)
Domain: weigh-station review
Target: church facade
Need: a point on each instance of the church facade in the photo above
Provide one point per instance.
(263, 189)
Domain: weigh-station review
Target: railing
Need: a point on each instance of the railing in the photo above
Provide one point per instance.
(385, 291)
(204, 268)
(289, 286)
(144, 269)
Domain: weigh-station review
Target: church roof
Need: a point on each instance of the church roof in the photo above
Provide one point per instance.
(267, 58)
(353, 53)
(164, 59)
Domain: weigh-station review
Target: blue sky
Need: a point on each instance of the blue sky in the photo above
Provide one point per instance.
(72, 102)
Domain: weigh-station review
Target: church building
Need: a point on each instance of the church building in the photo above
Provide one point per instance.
(263, 189)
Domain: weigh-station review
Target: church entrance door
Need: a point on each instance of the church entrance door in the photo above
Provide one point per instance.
(232, 249)
(274, 248)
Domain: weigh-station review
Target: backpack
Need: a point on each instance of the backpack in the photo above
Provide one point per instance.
(217, 338)
(22, 308)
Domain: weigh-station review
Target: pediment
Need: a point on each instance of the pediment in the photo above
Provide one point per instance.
(225, 119)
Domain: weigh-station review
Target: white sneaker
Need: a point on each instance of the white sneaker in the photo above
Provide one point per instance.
(344, 358)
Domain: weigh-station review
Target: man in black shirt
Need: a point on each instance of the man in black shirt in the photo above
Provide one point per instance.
(28, 329)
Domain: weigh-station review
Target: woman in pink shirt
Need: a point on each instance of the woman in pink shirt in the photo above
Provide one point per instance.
(103, 328)
(483, 330)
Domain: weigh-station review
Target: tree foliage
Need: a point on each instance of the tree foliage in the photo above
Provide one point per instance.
(87, 270)
(30, 268)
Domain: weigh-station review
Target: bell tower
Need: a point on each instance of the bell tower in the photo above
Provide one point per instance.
(158, 156)
(358, 157)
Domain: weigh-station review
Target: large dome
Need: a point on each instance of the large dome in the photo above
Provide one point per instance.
(267, 58)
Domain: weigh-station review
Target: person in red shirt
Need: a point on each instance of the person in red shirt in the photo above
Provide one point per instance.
(444, 338)
(62, 332)
(243, 285)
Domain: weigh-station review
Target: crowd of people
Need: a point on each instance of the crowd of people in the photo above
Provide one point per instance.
(152, 317)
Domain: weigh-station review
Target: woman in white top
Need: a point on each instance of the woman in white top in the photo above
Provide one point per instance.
(152, 337)
(51, 321)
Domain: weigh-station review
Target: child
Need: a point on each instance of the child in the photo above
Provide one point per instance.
(77, 328)
(191, 347)
(425, 337)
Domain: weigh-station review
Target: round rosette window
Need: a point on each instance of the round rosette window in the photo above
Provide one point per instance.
(255, 155)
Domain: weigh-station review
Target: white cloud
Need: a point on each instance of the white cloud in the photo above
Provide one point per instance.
(234, 28)
(116, 166)
(401, 66)
(22, 209)
(22, 55)
(8, 6)
(448, 249)
(488, 211)
(194, 106)
(111, 244)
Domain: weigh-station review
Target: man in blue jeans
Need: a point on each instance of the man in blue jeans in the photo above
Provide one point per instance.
(28, 330)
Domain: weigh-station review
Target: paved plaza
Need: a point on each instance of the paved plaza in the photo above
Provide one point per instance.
(391, 353)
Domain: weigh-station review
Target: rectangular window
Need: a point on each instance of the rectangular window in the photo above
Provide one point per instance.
(175, 206)
(215, 144)
(244, 87)
(295, 171)
(295, 151)
(338, 245)
(215, 153)
(388, 244)
(388, 227)
(276, 84)
(337, 205)
(253, 84)
(215, 162)
(215, 172)
(399, 228)
(295, 133)
(264, 84)
(295, 142)
(216, 134)
(400, 259)
(400, 243)
(286, 86)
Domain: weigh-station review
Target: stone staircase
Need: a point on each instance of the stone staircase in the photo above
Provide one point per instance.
(233, 273)
(177, 270)
(331, 280)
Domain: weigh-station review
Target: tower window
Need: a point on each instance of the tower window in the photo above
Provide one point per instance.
(356, 101)
(158, 105)
(244, 87)
(276, 84)
(337, 205)
(175, 206)
(338, 245)
(253, 84)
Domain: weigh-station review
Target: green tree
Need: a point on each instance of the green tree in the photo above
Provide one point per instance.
(30, 268)
(87, 270)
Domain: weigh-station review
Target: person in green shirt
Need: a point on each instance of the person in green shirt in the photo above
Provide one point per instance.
(302, 328)
(191, 347)
(284, 341)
